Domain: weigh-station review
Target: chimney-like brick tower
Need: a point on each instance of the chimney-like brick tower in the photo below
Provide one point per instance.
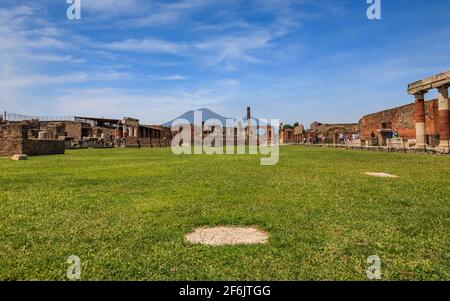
(247, 130)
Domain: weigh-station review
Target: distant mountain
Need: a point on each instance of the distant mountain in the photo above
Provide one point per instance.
(206, 115)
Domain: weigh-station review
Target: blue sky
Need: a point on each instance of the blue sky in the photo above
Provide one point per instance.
(296, 60)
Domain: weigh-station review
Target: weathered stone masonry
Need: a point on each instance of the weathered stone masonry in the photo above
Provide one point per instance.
(20, 138)
(419, 89)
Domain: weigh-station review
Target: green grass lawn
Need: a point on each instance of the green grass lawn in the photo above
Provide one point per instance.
(125, 212)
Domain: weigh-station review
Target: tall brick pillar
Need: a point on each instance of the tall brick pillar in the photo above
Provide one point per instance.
(117, 132)
(125, 131)
(420, 119)
(444, 131)
(247, 132)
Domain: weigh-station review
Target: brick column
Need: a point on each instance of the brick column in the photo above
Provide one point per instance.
(420, 120)
(125, 131)
(444, 131)
(117, 131)
(247, 130)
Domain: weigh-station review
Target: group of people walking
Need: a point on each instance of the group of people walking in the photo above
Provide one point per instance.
(341, 139)
(347, 139)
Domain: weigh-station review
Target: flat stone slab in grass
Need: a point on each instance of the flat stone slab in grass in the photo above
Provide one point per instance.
(19, 157)
(220, 236)
(381, 175)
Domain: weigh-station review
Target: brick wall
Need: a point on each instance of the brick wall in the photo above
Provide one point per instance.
(401, 119)
(31, 147)
(328, 133)
(10, 147)
(432, 117)
(42, 147)
(73, 129)
(14, 140)
(54, 130)
(131, 141)
(108, 132)
(11, 136)
(13, 131)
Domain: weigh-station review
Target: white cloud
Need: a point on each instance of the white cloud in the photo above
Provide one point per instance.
(53, 58)
(113, 7)
(12, 81)
(136, 13)
(149, 106)
(174, 77)
(230, 50)
(146, 45)
(233, 49)
(157, 19)
(25, 36)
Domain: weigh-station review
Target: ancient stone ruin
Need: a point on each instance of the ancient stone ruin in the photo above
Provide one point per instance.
(416, 127)
(78, 133)
(441, 82)
(25, 138)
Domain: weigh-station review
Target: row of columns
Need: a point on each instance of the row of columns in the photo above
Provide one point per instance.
(128, 131)
(443, 107)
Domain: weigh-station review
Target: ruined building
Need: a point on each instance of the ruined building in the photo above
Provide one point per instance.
(18, 138)
(328, 133)
(440, 126)
(400, 119)
(204, 127)
(126, 132)
(420, 125)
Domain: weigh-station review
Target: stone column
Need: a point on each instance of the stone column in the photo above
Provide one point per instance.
(444, 131)
(125, 131)
(420, 120)
(136, 131)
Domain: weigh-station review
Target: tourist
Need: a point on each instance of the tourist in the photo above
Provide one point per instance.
(396, 135)
(341, 138)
